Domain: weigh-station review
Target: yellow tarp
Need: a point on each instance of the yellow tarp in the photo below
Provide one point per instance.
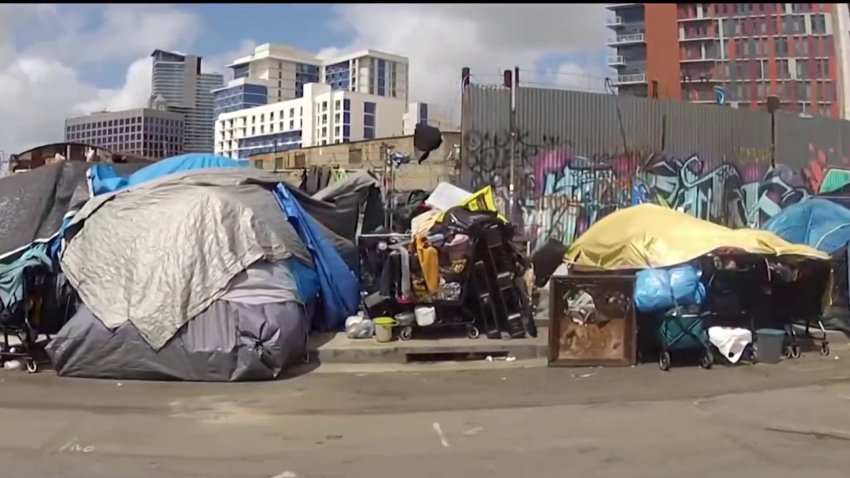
(647, 235)
(481, 200)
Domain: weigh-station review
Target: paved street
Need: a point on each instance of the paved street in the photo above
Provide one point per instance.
(768, 420)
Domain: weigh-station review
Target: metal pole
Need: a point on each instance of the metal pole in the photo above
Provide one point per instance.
(511, 200)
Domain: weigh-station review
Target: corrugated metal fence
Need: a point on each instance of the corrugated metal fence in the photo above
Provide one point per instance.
(578, 156)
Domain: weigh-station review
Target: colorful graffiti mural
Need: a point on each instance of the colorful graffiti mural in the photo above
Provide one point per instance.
(559, 193)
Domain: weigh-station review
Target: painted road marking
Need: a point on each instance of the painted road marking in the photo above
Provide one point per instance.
(439, 431)
(75, 447)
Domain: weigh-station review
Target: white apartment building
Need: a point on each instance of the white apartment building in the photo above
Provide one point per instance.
(321, 116)
(285, 70)
(428, 114)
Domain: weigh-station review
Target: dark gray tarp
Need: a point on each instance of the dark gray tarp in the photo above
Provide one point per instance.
(355, 183)
(33, 203)
(340, 217)
(228, 342)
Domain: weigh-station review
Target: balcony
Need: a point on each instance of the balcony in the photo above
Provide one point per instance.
(633, 79)
(630, 39)
(616, 61)
(697, 18)
(699, 59)
(697, 37)
(614, 22)
(704, 78)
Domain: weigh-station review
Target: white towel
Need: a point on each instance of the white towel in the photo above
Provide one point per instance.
(730, 341)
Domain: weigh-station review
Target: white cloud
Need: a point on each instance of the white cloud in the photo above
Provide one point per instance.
(218, 63)
(83, 35)
(573, 76)
(43, 49)
(134, 93)
(440, 39)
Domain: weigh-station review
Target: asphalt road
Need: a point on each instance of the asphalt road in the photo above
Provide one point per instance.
(779, 420)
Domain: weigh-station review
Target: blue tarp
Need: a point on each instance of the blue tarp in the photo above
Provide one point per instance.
(104, 179)
(818, 223)
(339, 285)
(663, 289)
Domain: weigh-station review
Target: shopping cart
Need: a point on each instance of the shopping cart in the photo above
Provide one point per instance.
(681, 331)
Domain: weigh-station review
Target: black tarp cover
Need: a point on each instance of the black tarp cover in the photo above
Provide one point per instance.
(837, 315)
(33, 203)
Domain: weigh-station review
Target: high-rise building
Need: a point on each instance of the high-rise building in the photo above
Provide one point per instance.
(321, 116)
(284, 71)
(148, 132)
(239, 95)
(177, 80)
(741, 52)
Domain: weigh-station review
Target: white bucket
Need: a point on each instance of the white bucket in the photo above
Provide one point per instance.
(425, 316)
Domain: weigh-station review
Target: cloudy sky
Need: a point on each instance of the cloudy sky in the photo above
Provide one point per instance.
(64, 60)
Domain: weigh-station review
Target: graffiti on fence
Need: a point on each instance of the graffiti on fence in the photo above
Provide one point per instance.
(826, 170)
(733, 194)
(559, 193)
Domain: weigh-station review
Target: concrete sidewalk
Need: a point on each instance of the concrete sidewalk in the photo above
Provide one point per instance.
(329, 348)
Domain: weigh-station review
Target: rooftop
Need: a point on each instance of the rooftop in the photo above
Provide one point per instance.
(285, 52)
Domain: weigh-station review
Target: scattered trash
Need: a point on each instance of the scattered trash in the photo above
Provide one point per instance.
(506, 358)
(118, 384)
(12, 365)
(584, 375)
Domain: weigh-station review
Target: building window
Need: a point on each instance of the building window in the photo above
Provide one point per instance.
(258, 163)
(823, 68)
(278, 164)
(291, 124)
(818, 24)
(325, 119)
(271, 116)
(802, 69)
(806, 90)
(801, 47)
(782, 69)
(337, 104)
(324, 106)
